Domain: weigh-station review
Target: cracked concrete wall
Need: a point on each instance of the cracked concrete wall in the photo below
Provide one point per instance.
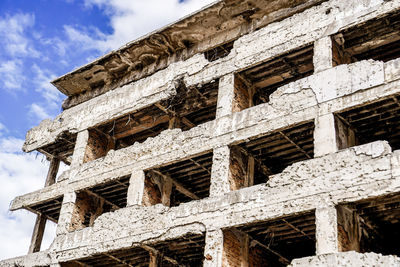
(351, 258)
(272, 40)
(331, 178)
(295, 105)
(366, 173)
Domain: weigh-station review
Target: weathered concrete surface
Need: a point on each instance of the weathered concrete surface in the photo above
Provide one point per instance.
(352, 174)
(272, 40)
(318, 185)
(289, 105)
(350, 258)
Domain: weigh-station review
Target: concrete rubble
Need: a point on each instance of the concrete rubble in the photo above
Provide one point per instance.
(270, 138)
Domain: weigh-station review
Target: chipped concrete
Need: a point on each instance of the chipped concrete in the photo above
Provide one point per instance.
(349, 166)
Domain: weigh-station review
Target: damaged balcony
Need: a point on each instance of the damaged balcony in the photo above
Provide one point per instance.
(377, 39)
(185, 251)
(50, 209)
(379, 120)
(102, 198)
(189, 108)
(62, 148)
(270, 243)
(253, 162)
(179, 182)
(371, 225)
(254, 86)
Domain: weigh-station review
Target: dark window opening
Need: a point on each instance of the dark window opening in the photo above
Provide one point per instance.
(371, 225)
(179, 182)
(254, 161)
(94, 201)
(377, 39)
(379, 120)
(270, 243)
(218, 52)
(191, 107)
(254, 86)
(185, 251)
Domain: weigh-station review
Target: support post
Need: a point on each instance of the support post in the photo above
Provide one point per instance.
(226, 94)
(323, 54)
(66, 213)
(213, 248)
(135, 189)
(326, 230)
(40, 223)
(53, 170)
(220, 171)
(80, 148)
(325, 141)
(37, 235)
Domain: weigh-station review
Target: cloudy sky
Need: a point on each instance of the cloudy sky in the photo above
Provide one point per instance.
(39, 41)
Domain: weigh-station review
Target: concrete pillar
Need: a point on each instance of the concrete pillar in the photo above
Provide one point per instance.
(226, 94)
(80, 148)
(53, 170)
(326, 230)
(325, 141)
(322, 54)
(66, 213)
(40, 223)
(213, 248)
(220, 171)
(135, 189)
(37, 235)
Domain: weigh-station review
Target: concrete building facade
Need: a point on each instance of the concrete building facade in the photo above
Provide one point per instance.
(251, 133)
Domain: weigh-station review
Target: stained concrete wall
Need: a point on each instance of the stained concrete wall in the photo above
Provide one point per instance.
(331, 178)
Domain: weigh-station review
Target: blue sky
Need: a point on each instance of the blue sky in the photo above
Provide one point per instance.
(39, 41)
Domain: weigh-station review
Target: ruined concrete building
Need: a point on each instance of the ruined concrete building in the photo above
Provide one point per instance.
(251, 133)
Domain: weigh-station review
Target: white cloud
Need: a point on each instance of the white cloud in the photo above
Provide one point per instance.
(11, 75)
(131, 19)
(44, 87)
(13, 30)
(39, 112)
(19, 173)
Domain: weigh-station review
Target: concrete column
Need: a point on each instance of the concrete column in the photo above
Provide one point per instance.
(135, 189)
(66, 213)
(325, 141)
(40, 223)
(80, 148)
(37, 235)
(213, 248)
(220, 171)
(53, 170)
(323, 54)
(226, 95)
(326, 230)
